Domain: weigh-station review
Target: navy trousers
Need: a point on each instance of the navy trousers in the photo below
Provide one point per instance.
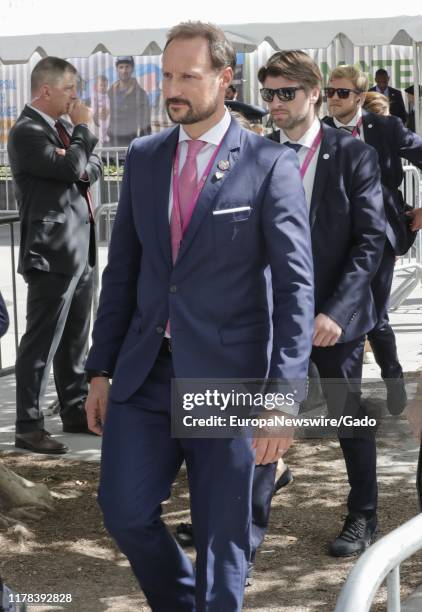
(341, 367)
(139, 463)
(382, 338)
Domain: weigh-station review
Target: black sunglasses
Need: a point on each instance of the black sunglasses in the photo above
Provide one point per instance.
(284, 94)
(342, 92)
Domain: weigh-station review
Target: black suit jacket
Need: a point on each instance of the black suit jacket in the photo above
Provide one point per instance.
(397, 107)
(56, 235)
(347, 229)
(392, 141)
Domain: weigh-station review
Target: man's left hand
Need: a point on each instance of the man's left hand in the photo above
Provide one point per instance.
(416, 216)
(326, 331)
(270, 449)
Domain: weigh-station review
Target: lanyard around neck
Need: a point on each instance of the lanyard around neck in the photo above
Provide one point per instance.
(311, 153)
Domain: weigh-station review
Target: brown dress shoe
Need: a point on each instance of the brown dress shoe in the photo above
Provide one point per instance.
(40, 442)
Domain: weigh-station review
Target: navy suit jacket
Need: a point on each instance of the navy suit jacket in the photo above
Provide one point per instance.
(348, 231)
(215, 294)
(397, 107)
(392, 141)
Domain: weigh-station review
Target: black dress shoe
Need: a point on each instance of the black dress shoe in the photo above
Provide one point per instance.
(40, 442)
(184, 535)
(396, 395)
(357, 534)
(285, 479)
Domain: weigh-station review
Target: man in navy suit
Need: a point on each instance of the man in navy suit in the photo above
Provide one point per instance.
(395, 97)
(392, 141)
(343, 192)
(188, 299)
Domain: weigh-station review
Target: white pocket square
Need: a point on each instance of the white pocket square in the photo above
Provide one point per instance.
(226, 211)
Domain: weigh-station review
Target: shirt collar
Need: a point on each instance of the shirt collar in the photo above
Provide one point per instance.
(352, 122)
(384, 93)
(51, 122)
(308, 137)
(214, 135)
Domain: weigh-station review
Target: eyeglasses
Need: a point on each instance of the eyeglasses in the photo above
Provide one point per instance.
(342, 92)
(284, 94)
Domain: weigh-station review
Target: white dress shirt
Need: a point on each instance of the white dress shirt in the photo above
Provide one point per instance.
(213, 138)
(51, 122)
(352, 123)
(306, 142)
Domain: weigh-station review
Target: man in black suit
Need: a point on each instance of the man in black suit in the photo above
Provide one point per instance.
(343, 191)
(53, 167)
(397, 107)
(392, 141)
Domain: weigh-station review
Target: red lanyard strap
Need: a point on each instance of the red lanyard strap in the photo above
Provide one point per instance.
(311, 153)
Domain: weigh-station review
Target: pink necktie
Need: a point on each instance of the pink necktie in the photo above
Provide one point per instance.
(188, 181)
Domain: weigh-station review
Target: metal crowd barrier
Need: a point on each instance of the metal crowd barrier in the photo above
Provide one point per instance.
(408, 269)
(10, 221)
(381, 561)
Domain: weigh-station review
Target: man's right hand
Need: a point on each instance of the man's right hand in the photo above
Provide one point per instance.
(96, 403)
(80, 113)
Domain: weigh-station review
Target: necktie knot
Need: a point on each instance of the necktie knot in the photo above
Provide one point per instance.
(293, 145)
(194, 147)
(349, 128)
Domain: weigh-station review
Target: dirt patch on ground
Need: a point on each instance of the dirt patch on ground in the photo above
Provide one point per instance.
(69, 551)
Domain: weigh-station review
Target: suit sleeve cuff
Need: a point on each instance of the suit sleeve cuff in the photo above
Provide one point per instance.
(90, 374)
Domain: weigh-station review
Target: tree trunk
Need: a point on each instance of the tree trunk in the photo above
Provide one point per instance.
(18, 495)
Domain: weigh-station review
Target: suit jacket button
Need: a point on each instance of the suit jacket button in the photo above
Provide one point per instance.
(159, 329)
(173, 289)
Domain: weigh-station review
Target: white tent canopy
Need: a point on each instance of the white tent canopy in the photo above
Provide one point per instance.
(246, 37)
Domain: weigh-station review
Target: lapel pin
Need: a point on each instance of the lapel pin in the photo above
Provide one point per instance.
(223, 165)
(219, 175)
(369, 125)
(326, 156)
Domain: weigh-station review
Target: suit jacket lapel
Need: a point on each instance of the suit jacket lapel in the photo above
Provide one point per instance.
(229, 150)
(326, 154)
(32, 114)
(161, 180)
(369, 133)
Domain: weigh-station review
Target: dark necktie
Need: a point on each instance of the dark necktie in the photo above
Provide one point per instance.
(293, 145)
(65, 138)
(350, 128)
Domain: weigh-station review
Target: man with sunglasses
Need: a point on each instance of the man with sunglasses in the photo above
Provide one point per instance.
(392, 141)
(343, 192)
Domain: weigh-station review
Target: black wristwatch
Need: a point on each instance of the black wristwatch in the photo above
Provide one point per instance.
(90, 374)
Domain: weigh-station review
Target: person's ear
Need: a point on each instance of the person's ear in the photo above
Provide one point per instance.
(226, 77)
(314, 95)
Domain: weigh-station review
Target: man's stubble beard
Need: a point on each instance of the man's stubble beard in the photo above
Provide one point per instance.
(291, 122)
(191, 115)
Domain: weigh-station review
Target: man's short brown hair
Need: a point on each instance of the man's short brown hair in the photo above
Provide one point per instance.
(49, 70)
(294, 65)
(221, 50)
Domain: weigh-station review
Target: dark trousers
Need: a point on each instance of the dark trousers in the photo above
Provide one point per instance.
(382, 338)
(57, 329)
(341, 367)
(343, 363)
(140, 461)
